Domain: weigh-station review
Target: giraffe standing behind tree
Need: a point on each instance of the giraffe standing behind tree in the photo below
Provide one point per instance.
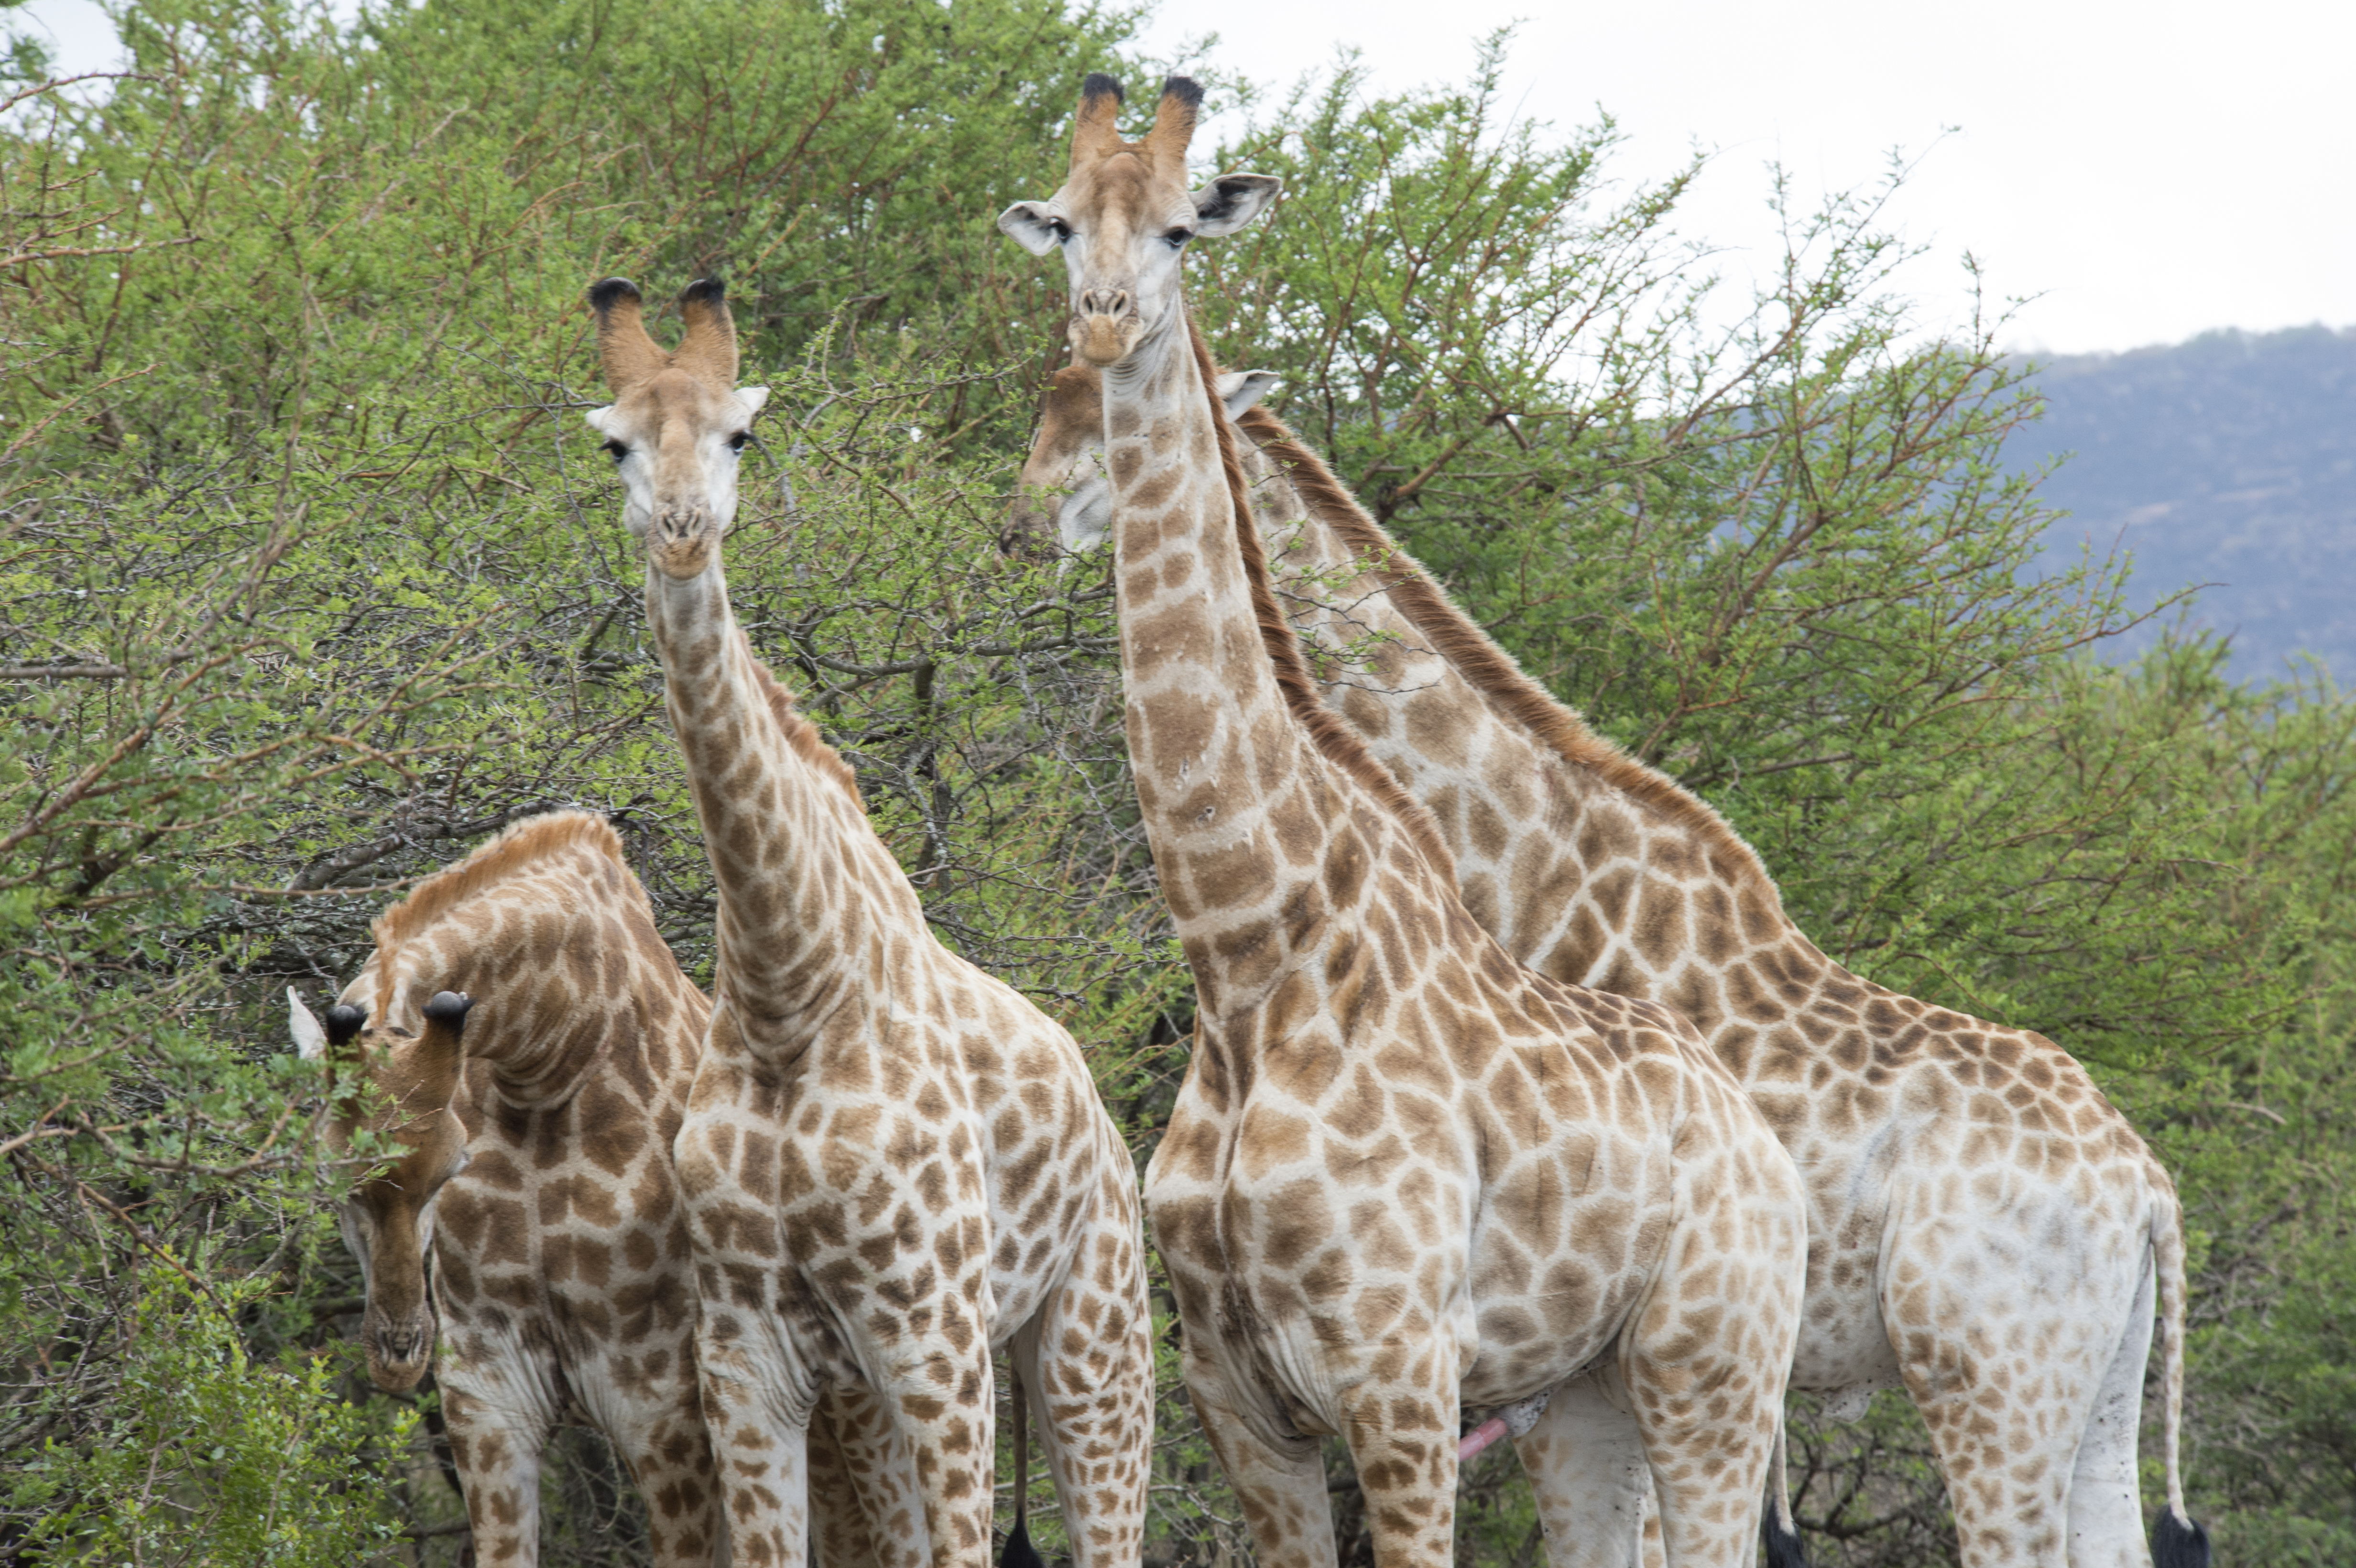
(891, 1163)
(1985, 1229)
(1404, 1177)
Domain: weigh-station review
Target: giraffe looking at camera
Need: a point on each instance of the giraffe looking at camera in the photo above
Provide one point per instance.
(1404, 1179)
(1986, 1231)
(892, 1164)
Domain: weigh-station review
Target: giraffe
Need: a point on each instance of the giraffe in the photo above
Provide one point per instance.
(893, 1165)
(536, 1170)
(1987, 1230)
(1404, 1179)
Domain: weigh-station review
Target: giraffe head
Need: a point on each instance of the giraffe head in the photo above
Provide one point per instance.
(388, 1218)
(1125, 216)
(1064, 491)
(677, 422)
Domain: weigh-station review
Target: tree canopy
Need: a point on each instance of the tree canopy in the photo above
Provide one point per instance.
(310, 578)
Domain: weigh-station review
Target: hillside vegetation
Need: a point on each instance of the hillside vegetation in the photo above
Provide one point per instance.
(310, 578)
(2229, 461)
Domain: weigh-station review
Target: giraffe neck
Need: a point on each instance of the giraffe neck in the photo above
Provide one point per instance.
(1265, 816)
(1545, 817)
(809, 895)
(1210, 738)
(569, 973)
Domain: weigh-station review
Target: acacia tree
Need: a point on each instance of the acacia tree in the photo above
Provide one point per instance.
(313, 579)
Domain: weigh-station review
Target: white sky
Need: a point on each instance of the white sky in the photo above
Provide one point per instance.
(2150, 171)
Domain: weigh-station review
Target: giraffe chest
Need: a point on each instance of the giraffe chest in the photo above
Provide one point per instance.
(1393, 1211)
(975, 1157)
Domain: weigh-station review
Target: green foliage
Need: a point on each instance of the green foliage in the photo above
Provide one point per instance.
(206, 1456)
(310, 577)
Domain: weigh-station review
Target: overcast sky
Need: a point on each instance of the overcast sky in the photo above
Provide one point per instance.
(2150, 171)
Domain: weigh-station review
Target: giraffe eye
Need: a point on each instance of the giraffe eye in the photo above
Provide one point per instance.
(616, 451)
(1177, 238)
(736, 442)
(1060, 230)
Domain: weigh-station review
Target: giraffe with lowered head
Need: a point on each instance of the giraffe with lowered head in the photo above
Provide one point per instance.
(1985, 1229)
(892, 1164)
(534, 1124)
(1404, 1179)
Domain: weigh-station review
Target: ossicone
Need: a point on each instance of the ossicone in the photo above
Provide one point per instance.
(1173, 125)
(343, 1023)
(447, 1008)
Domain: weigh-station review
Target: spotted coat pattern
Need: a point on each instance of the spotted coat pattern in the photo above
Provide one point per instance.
(1985, 1229)
(891, 1163)
(1404, 1177)
(563, 1277)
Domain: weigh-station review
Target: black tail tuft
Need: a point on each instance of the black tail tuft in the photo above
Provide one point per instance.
(1784, 1548)
(2178, 1544)
(1019, 1552)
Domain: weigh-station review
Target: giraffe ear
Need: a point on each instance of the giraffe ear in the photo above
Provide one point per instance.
(753, 398)
(310, 1038)
(1239, 389)
(1030, 225)
(1232, 201)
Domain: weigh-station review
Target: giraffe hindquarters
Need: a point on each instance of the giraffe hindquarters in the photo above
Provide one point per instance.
(1279, 1484)
(1586, 1463)
(2006, 1321)
(1085, 1360)
(2105, 1492)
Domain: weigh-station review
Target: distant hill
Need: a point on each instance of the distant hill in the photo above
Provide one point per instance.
(2228, 460)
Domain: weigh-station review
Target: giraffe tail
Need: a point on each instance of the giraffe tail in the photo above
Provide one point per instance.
(1778, 1529)
(2176, 1540)
(1017, 1552)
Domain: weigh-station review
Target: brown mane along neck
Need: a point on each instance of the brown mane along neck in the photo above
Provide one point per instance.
(1333, 740)
(1488, 668)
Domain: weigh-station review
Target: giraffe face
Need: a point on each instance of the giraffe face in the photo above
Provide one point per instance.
(1065, 488)
(388, 1216)
(1124, 218)
(677, 425)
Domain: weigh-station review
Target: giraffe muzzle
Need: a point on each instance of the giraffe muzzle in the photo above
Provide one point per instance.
(680, 542)
(1106, 326)
(398, 1350)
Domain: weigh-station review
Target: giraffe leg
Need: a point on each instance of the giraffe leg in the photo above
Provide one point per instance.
(496, 1449)
(1281, 1485)
(1087, 1362)
(2105, 1491)
(850, 1444)
(939, 1391)
(759, 1447)
(1586, 1463)
(669, 1457)
(2004, 1346)
(1402, 1437)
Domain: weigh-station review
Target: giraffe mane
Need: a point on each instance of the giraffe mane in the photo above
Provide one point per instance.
(1334, 739)
(1491, 671)
(518, 847)
(801, 734)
